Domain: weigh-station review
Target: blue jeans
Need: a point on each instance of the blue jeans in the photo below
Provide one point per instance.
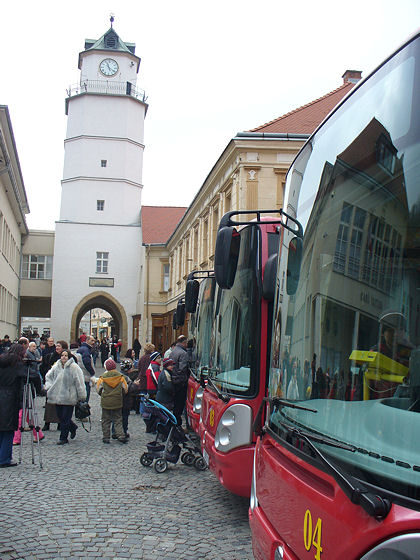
(64, 413)
(6, 447)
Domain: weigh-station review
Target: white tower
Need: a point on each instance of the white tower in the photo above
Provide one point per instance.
(97, 253)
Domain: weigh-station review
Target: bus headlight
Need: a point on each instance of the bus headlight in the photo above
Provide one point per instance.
(235, 428)
(197, 400)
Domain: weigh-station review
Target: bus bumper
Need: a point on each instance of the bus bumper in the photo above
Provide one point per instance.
(233, 469)
(265, 540)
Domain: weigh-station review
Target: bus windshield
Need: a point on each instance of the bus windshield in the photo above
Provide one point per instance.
(235, 342)
(347, 340)
(203, 318)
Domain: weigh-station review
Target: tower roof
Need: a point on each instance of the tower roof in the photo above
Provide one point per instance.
(111, 42)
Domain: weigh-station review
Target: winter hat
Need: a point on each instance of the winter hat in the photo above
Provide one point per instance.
(110, 364)
(154, 355)
(167, 362)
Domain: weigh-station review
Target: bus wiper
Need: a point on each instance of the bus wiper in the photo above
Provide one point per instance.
(208, 379)
(374, 505)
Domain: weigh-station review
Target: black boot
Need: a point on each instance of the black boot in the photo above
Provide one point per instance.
(46, 427)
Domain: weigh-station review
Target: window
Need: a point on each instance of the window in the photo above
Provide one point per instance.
(103, 162)
(100, 204)
(102, 263)
(37, 267)
(165, 277)
(386, 154)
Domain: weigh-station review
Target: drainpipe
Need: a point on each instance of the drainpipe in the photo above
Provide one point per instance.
(18, 317)
(147, 290)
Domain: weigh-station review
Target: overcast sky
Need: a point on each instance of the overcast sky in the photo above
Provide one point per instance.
(210, 69)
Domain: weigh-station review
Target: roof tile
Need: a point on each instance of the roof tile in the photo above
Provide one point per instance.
(305, 119)
(159, 222)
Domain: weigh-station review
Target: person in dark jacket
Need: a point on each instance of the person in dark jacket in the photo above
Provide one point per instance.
(46, 355)
(12, 375)
(165, 392)
(85, 350)
(180, 374)
(104, 350)
(136, 348)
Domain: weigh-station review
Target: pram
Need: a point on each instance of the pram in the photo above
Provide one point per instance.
(170, 438)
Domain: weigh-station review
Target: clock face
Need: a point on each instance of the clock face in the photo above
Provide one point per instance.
(108, 67)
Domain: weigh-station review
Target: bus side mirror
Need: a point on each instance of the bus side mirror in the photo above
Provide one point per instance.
(180, 313)
(270, 273)
(294, 261)
(226, 255)
(174, 325)
(191, 295)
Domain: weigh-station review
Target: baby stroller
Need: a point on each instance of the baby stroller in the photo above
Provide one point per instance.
(170, 438)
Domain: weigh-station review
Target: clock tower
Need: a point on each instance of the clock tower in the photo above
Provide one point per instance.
(98, 240)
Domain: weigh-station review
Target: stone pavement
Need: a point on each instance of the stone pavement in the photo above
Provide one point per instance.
(93, 500)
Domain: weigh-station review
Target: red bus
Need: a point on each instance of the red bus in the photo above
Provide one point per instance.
(199, 302)
(337, 463)
(245, 257)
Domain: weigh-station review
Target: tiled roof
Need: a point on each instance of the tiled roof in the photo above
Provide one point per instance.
(159, 222)
(305, 119)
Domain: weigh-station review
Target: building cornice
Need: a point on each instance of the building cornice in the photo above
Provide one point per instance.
(112, 138)
(104, 179)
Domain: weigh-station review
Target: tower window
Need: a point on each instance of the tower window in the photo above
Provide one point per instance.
(103, 162)
(111, 40)
(102, 263)
(100, 205)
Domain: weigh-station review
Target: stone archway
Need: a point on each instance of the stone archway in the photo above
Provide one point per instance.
(104, 301)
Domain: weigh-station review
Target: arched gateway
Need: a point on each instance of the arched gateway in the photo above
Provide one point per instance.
(104, 301)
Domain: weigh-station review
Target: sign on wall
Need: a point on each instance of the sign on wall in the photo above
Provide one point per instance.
(101, 282)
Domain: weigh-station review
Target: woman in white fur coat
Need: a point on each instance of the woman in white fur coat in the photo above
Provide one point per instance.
(65, 386)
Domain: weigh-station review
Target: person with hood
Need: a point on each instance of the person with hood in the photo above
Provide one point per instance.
(12, 375)
(65, 387)
(111, 386)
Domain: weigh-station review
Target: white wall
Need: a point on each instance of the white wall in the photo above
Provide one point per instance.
(75, 261)
(106, 115)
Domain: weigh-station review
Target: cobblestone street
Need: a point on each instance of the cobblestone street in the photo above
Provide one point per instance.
(93, 500)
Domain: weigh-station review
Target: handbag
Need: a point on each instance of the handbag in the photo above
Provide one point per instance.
(82, 410)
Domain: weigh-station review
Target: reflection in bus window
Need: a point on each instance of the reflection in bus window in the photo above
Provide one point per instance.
(348, 340)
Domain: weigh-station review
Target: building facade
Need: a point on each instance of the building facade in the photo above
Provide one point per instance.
(13, 229)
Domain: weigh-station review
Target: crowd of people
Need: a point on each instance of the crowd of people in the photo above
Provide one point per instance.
(65, 375)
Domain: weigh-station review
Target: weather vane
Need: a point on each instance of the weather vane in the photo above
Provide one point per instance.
(111, 19)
